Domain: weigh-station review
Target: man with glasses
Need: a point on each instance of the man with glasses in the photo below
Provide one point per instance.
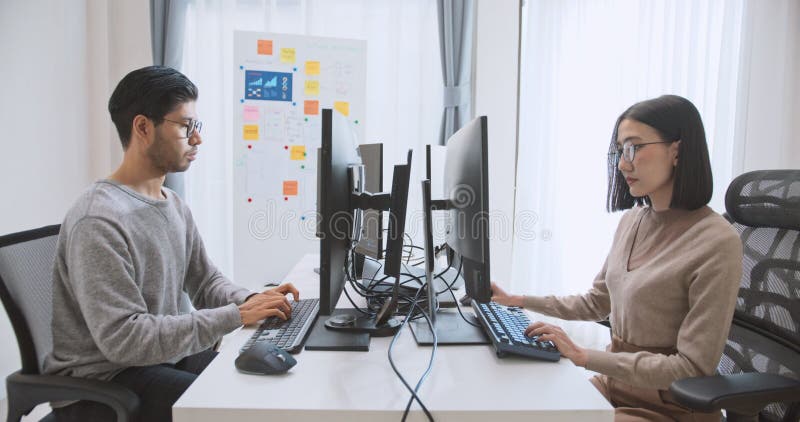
(128, 249)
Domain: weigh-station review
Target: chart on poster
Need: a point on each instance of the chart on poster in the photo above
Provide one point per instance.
(281, 84)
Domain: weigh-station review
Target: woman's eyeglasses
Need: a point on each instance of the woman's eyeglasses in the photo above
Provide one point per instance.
(628, 150)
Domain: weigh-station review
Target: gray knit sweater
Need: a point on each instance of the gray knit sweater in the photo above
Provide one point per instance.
(122, 261)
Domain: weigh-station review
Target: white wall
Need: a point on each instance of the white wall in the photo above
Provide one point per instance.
(772, 138)
(60, 62)
(496, 84)
(45, 155)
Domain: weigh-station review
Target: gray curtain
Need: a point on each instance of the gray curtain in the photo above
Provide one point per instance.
(455, 42)
(167, 23)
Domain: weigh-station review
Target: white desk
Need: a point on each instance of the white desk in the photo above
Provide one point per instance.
(467, 383)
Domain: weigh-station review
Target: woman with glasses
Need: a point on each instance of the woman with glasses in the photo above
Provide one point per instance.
(671, 277)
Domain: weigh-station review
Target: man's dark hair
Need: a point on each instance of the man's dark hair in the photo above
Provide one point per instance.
(675, 119)
(152, 91)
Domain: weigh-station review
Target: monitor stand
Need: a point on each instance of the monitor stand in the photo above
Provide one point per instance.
(348, 330)
(451, 329)
(323, 338)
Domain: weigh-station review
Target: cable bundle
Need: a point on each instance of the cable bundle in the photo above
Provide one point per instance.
(413, 307)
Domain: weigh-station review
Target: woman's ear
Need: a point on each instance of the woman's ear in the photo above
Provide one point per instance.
(674, 148)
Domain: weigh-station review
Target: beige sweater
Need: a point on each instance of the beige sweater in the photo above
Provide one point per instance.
(672, 286)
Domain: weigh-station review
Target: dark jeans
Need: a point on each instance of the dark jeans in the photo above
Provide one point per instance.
(158, 388)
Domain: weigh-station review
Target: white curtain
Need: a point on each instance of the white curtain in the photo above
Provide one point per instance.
(583, 63)
(404, 87)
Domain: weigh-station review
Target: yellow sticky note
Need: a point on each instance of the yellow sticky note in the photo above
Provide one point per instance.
(287, 55)
(312, 68)
(342, 107)
(298, 152)
(290, 187)
(250, 132)
(312, 88)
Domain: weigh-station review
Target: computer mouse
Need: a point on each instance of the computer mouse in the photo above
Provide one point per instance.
(264, 358)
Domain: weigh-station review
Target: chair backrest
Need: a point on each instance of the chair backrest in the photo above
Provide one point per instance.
(26, 286)
(764, 207)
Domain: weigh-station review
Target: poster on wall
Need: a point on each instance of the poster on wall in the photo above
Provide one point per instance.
(281, 82)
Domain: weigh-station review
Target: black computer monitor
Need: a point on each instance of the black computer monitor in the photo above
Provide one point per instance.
(371, 242)
(466, 183)
(335, 216)
(341, 200)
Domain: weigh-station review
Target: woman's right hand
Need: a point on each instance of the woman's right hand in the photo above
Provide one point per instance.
(500, 296)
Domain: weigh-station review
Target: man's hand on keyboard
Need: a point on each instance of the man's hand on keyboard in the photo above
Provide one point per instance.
(283, 290)
(264, 305)
(565, 345)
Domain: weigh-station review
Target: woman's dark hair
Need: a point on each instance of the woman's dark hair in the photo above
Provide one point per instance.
(675, 119)
(152, 91)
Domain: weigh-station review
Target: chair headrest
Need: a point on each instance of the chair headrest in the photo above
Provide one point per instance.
(765, 198)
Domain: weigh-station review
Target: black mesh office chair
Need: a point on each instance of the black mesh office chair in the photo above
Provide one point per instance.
(759, 374)
(26, 273)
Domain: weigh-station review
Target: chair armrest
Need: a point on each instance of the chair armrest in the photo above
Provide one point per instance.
(37, 389)
(745, 393)
(604, 322)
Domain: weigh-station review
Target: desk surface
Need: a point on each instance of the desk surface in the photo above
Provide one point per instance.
(467, 382)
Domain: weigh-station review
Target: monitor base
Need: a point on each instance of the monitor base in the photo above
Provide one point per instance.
(356, 322)
(451, 329)
(322, 338)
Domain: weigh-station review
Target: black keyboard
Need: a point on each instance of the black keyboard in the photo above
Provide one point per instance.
(289, 335)
(506, 328)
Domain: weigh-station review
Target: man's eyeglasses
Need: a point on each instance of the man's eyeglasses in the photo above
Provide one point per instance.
(628, 150)
(192, 126)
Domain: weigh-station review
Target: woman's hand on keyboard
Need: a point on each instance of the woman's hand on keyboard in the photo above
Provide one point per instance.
(501, 297)
(565, 345)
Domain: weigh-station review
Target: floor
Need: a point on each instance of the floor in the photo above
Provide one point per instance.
(37, 413)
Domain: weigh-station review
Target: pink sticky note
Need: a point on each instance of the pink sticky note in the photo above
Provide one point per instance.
(250, 113)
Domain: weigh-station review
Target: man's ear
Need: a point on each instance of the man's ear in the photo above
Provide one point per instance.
(142, 128)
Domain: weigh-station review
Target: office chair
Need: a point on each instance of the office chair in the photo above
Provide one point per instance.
(759, 373)
(26, 274)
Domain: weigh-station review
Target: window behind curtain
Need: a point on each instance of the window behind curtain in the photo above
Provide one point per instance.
(583, 63)
(404, 88)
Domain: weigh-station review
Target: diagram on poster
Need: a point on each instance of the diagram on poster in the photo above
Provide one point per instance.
(268, 86)
(281, 84)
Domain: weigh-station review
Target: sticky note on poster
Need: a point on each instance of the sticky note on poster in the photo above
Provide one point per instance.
(265, 47)
(250, 113)
(297, 152)
(311, 107)
(290, 188)
(250, 132)
(312, 88)
(287, 55)
(342, 107)
(312, 68)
